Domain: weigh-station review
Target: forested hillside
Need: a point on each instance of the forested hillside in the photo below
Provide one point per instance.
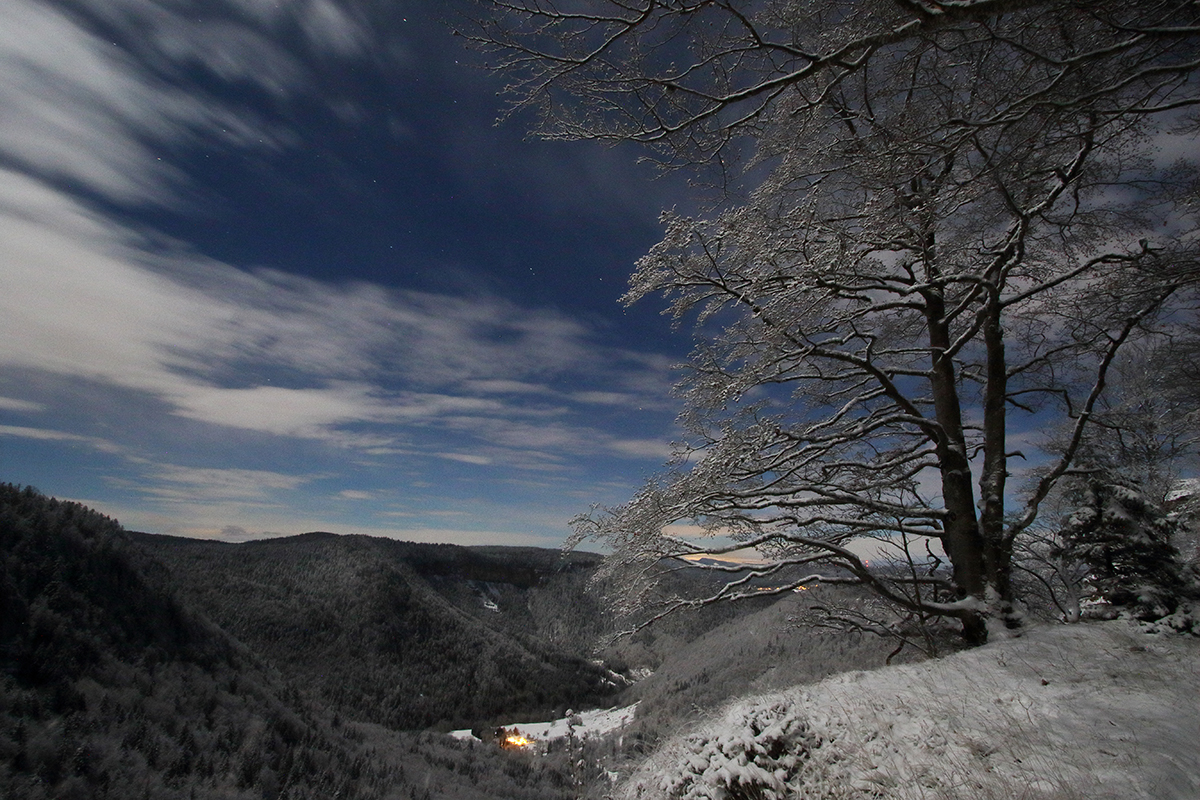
(401, 634)
(110, 682)
(113, 684)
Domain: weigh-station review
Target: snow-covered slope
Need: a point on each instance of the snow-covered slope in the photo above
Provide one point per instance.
(1096, 710)
(599, 722)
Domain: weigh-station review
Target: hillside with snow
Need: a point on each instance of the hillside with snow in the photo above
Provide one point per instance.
(1096, 710)
(585, 725)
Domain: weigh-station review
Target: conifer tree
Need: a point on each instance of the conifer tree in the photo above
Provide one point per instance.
(1124, 539)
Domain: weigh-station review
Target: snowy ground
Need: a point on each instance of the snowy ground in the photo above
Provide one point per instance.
(592, 723)
(1098, 710)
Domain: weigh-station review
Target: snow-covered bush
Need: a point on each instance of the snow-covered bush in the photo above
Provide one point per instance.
(1184, 619)
(752, 760)
(760, 756)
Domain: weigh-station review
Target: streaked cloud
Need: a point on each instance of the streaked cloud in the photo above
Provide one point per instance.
(390, 374)
(609, 398)
(192, 483)
(496, 386)
(466, 458)
(12, 404)
(90, 299)
(80, 108)
(653, 449)
(232, 395)
(50, 435)
(273, 409)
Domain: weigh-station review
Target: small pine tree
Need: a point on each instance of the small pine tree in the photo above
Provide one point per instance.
(1124, 539)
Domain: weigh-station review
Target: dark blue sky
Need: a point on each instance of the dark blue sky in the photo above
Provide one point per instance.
(271, 267)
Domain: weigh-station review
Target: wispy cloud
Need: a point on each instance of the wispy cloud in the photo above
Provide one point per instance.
(276, 410)
(496, 386)
(466, 458)
(285, 355)
(90, 298)
(192, 484)
(653, 449)
(384, 376)
(79, 108)
(50, 435)
(12, 404)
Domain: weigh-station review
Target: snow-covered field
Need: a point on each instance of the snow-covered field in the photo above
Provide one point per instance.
(591, 724)
(1097, 710)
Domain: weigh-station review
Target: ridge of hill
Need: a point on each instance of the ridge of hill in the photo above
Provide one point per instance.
(402, 634)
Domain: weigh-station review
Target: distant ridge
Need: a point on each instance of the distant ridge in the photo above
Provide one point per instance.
(405, 634)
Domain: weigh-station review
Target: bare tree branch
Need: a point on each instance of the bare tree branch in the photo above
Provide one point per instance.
(955, 229)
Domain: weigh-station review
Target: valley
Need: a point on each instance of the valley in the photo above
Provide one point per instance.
(405, 635)
(308, 666)
(323, 666)
(304, 668)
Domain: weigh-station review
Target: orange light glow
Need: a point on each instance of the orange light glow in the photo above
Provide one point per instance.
(517, 741)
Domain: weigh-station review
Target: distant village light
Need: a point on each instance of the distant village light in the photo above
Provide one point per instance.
(514, 739)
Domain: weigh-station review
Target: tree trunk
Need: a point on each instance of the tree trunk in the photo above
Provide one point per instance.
(961, 537)
(997, 549)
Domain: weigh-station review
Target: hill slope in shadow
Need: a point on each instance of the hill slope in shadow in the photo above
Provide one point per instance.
(108, 681)
(115, 684)
(401, 634)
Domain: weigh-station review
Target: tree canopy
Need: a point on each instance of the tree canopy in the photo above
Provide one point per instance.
(960, 215)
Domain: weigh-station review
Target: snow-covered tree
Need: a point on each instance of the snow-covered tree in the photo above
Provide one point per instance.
(959, 216)
(1141, 440)
(1124, 539)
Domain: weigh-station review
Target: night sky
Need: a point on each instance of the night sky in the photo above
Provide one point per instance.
(271, 267)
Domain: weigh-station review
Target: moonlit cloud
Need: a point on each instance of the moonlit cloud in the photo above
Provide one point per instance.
(506, 387)
(272, 409)
(75, 302)
(331, 28)
(48, 435)
(87, 298)
(609, 398)
(234, 396)
(466, 458)
(653, 449)
(10, 404)
(82, 109)
(360, 367)
(74, 107)
(193, 483)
